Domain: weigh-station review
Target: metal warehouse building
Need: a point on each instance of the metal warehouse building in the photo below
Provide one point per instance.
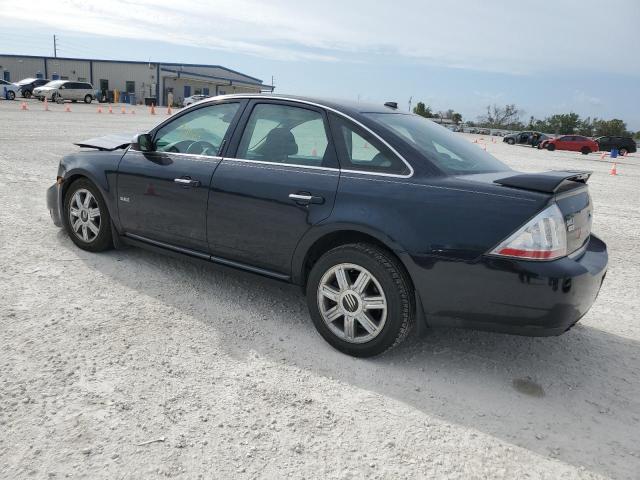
(147, 80)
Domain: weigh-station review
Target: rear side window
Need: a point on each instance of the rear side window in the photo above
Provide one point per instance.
(363, 152)
(445, 149)
(285, 134)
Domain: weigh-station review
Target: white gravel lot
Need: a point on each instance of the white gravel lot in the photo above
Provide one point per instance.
(103, 354)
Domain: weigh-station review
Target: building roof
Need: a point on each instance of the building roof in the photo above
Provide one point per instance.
(136, 62)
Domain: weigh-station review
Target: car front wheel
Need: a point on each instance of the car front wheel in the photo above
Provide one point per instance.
(87, 99)
(11, 95)
(26, 94)
(585, 150)
(360, 299)
(86, 217)
(511, 141)
(622, 152)
(551, 147)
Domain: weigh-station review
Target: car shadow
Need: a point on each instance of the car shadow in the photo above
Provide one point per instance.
(575, 398)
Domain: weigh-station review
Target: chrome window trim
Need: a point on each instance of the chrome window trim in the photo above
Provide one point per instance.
(195, 156)
(338, 112)
(293, 165)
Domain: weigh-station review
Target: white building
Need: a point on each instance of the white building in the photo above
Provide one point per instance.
(151, 81)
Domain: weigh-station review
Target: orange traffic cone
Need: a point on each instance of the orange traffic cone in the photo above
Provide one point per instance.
(99, 109)
(614, 169)
(625, 154)
(153, 109)
(46, 104)
(169, 112)
(123, 110)
(24, 106)
(475, 140)
(67, 108)
(133, 112)
(110, 109)
(602, 155)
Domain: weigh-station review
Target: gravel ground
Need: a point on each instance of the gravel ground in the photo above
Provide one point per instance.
(132, 365)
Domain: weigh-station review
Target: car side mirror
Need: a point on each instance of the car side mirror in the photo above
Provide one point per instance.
(142, 143)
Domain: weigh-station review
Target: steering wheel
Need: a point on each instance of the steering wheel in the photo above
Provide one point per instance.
(201, 147)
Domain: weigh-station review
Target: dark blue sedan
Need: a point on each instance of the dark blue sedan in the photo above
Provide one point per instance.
(384, 218)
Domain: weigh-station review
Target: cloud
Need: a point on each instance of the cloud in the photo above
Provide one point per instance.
(490, 36)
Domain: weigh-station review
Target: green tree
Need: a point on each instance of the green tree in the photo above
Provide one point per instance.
(501, 117)
(423, 110)
(563, 123)
(614, 127)
(457, 118)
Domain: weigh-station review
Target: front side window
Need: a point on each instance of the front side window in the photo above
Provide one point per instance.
(445, 149)
(364, 152)
(199, 132)
(284, 134)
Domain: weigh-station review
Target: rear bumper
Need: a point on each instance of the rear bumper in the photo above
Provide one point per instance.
(510, 295)
(53, 204)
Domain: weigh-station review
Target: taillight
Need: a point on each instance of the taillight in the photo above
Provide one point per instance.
(544, 237)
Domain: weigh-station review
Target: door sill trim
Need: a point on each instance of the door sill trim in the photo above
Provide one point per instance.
(210, 258)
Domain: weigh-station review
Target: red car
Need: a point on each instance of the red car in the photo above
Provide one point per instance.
(573, 143)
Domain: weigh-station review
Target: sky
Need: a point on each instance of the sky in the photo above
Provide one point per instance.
(548, 56)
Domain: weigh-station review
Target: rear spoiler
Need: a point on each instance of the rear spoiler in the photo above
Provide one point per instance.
(108, 142)
(555, 181)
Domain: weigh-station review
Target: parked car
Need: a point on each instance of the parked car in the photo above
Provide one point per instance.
(28, 84)
(384, 218)
(8, 90)
(61, 90)
(193, 99)
(623, 144)
(525, 138)
(573, 143)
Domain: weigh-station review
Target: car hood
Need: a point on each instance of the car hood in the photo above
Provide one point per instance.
(108, 142)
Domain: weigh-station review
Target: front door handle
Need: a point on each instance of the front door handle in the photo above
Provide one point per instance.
(187, 182)
(305, 198)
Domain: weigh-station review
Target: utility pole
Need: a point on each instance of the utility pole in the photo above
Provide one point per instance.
(410, 99)
(55, 48)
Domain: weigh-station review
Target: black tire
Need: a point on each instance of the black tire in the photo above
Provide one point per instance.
(102, 240)
(551, 147)
(11, 95)
(26, 94)
(53, 97)
(585, 150)
(395, 284)
(88, 98)
(511, 141)
(74, 101)
(622, 151)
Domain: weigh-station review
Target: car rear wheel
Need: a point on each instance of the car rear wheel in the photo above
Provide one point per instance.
(511, 141)
(622, 151)
(86, 217)
(26, 94)
(11, 95)
(87, 99)
(585, 150)
(551, 147)
(360, 299)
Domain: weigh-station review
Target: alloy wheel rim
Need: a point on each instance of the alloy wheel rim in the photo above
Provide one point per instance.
(84, 215)
(352, 303)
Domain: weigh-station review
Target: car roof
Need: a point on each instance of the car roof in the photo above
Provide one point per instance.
(346, 106)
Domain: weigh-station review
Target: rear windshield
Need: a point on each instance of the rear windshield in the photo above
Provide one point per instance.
(447, 150)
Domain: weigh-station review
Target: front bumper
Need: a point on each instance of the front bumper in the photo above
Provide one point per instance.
(54, 204)
(511, 295)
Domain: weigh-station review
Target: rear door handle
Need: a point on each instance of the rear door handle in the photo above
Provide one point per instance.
(305, 198)
(187, 182)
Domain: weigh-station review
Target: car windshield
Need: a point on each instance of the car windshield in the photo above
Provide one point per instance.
(447, 150)
(55, 83)
(25, 81)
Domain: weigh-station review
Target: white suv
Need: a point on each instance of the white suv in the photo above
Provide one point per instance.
(61, 90)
